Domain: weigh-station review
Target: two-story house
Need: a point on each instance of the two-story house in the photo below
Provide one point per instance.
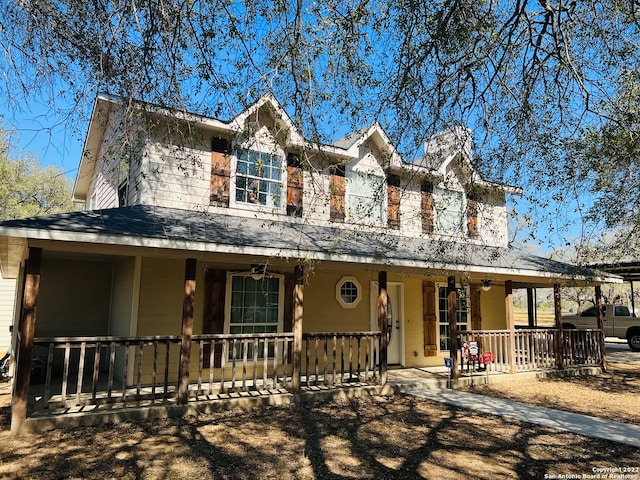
(243, 252)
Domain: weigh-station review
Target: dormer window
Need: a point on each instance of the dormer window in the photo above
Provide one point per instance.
(449, 210)
(259, 178)
(366, 197)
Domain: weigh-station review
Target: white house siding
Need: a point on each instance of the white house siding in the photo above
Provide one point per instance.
(136, 176)
(7, 297)
(492, 223)
(411, 210)
(316, 196)
(109, 169)
(176, 177)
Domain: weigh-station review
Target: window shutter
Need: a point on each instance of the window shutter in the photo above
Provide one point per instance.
(213, 318)
(393, 202)
(336, 194)
(427, 207)
(220, 172)
(429, 319)
(472, 217)
(295, 185)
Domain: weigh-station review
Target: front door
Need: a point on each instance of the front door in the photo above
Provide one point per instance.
(395, 314)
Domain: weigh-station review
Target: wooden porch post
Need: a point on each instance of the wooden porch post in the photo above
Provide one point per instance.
(557, 309)
(187, 330)
(601, 325)
(452, 304)
(508, 304)
(25, 340)
(531, 307)
(298, 310)
(383, 322)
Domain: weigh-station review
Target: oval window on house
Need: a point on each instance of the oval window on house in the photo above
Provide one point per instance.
(348, 292)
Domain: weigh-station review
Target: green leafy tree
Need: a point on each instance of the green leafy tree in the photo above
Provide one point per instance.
(524, 75)
(27, 190)
(609, 159)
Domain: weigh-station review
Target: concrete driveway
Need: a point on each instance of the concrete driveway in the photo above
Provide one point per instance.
(619, 351)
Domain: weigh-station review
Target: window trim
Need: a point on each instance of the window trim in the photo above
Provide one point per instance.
(380, 220)
(339, 285)
(439, 323)
(462, 230)
(228, 294)
(233, 202)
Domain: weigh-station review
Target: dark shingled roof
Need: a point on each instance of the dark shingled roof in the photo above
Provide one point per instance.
(292, 239)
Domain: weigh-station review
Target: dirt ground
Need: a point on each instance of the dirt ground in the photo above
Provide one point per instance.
(399, 437)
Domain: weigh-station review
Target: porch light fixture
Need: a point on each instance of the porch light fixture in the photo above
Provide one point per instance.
(258, 271)
(486, 284)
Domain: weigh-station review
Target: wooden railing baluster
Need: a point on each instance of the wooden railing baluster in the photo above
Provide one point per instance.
(223, 364)
(47, 385)
(65, 374)
(125, 372)
(154, 372)
(139, 353)
(166, 370)
(200, 366)
(83, 347)
(212, 351)
(96, 372)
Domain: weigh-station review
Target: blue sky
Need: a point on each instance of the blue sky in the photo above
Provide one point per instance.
(45, 135)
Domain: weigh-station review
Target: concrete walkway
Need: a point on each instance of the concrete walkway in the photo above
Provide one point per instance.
(570, 422)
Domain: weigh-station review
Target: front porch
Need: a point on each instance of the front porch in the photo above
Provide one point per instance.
(97, 378)
(93, 380)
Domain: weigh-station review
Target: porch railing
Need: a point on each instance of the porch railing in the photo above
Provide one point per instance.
(535, 348)
(582, 346)
(81, 371)
(332, 359)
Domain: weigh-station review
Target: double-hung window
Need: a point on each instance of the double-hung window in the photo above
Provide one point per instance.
(259, 178)
(449, 210)
(366, 197)
(462, 314)
(255, 308)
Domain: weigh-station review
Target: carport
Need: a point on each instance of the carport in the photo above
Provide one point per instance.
(629, 270)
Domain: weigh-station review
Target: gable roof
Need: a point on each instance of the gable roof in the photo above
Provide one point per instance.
(374, 133)
(279, 114)
(155, 227)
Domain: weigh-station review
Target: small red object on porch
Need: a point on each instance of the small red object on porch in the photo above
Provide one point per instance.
(487, 357)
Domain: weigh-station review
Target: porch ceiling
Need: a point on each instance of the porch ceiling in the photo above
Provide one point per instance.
(156, 227)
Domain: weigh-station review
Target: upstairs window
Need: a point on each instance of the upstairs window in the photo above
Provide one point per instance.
(366, 197)
(449, 210)
(259, 178)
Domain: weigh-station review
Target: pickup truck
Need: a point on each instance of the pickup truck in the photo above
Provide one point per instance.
(617, 321)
